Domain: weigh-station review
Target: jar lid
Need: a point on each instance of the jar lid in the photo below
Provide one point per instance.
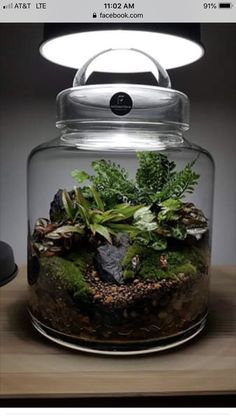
(122, 86)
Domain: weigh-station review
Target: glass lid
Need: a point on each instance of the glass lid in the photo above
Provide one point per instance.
(122, 86)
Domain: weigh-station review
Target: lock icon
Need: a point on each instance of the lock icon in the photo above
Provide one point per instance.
(94, 15)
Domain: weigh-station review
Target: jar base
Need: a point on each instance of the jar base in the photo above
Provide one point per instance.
(134, 348)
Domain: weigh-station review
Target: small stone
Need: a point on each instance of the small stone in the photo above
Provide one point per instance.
(136, 281)
(94, 274)
(97, 297)
(109, 299)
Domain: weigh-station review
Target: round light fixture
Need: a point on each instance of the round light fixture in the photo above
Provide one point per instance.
(173, 45)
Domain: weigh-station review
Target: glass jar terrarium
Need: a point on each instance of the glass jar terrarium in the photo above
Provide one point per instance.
(120, 212)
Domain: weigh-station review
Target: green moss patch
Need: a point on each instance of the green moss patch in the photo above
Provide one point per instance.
(67, 274)
(81, 259)
(185, 260)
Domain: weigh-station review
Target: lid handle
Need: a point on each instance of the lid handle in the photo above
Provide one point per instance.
(119, 65)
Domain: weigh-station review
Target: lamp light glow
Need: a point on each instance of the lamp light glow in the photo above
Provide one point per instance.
(73, 50)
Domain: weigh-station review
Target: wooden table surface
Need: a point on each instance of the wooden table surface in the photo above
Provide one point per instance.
(31, 366)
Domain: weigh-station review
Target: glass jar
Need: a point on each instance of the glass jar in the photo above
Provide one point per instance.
(120, 212)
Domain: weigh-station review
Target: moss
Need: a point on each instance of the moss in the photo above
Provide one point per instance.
(153, 272)
(186, 268)
(67, 274)
(185, 260)
(197, 255)
(128, 274)
(81, 259)
(132, 251)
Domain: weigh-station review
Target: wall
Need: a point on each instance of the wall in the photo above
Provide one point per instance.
(28, 88)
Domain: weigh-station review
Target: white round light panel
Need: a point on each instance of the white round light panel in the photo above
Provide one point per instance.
(75, 49)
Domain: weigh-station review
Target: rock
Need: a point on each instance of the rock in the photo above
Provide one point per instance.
(109, 257)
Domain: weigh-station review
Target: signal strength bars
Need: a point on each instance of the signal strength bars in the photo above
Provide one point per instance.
(8, 6)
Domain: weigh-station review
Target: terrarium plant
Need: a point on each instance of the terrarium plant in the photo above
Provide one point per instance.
(119, 251)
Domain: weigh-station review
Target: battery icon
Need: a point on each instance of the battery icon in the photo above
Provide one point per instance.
(225, 5)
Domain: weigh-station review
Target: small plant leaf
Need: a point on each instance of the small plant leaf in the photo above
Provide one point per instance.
(80, 176)
(154, 241)
(69, 229)
(68, 205)
(107, 216)
(102, 230)
(80, 199)
(170, 204)
(179, 232)
(145, 219)
(127, 210)
(169, 210)
(97, 198)
(160, 244)
(85, 214)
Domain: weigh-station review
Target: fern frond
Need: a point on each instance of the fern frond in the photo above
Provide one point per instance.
(154, 170)
(179, 184)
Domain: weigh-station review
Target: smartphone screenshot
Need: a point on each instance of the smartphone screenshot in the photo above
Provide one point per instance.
(117, 205)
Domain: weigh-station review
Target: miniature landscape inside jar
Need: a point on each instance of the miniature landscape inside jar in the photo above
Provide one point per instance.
(121, 261)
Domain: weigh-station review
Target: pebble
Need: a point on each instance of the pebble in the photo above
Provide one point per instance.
(109, 299)
(97, 297)
(127, 295)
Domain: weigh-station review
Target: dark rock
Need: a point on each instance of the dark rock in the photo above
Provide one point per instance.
(109, 257)
(122, 240)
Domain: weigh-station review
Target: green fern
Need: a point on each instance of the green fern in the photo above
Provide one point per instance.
(179, 184)
(113, 182)
(154, 171)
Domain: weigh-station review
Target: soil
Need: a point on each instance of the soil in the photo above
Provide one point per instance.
(138, 311)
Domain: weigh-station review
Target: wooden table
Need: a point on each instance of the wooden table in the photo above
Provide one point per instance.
(33, 367)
